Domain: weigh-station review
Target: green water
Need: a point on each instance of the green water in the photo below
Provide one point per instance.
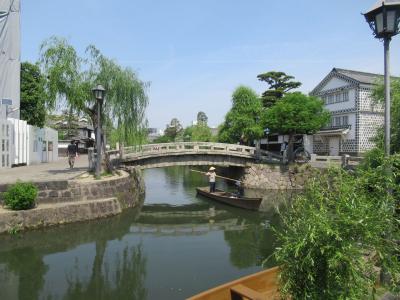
(173, 246)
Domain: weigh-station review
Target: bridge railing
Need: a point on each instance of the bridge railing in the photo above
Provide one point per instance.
(150, 150)
(189, 147)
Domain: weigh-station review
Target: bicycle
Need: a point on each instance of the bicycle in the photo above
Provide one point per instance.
(301, 155)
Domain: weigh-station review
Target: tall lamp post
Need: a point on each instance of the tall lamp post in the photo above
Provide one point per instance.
(384, 18)
(98, 93)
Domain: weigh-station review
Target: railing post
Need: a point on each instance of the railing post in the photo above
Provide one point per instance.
(345, 160)
(313, 157)
(121, 151)
(258, 150)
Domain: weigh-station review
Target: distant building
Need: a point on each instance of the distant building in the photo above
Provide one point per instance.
(214, 130)
(154, 133)
(355, 116)
(79, 130)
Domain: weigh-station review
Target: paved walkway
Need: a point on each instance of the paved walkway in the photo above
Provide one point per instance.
(58, 170)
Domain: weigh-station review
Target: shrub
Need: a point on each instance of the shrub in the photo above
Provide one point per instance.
(21, 195)
(331, 229)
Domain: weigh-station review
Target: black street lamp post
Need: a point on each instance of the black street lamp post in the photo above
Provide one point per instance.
(384, 18)
(98, 93)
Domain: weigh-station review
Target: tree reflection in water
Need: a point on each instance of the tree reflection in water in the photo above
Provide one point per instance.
(21, 262)
(254, 244)
(126, 281)
(118, 258)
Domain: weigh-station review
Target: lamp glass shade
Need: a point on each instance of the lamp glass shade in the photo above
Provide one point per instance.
(98, 94)
(391, 21)
(379, 28)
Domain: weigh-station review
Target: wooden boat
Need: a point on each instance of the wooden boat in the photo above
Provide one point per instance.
(260, 286)
(230, 198)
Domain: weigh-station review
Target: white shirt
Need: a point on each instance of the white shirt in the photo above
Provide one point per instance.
(211, 176)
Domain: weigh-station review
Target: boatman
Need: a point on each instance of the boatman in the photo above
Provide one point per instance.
(211, 179)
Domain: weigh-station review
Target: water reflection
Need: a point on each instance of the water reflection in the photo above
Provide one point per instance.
(173, 246)
(121, 276)
(18, 266)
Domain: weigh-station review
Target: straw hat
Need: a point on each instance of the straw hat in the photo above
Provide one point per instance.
(211, 169)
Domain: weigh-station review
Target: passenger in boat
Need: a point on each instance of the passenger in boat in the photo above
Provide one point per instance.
(211, 179)
(240, 189)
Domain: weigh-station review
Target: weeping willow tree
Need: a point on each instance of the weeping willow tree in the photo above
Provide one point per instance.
(70, 79)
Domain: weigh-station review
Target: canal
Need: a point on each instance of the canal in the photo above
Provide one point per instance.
(174, 245)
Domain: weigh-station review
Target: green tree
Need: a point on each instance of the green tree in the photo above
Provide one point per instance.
(33, 95)
(297, 113)
(162, 139)
(71, 78)
(279, 84)
(197, 133)
(173, 130)
(379, 97)
(336, 232)
(202, 118)
(245, 119)
(201, 133)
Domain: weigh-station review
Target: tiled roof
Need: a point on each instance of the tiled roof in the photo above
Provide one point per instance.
(362, 77)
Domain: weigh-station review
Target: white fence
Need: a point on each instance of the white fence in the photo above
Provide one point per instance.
(344, 160)
(25, 144)
(6, 148)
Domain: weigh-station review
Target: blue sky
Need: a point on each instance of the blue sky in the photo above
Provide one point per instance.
(195, 53)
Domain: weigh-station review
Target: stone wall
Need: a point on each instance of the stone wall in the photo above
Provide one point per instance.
(59, 213)
(76, 200)
(274, 177)
(129, 183)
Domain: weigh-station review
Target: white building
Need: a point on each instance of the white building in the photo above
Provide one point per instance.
(24, 144)
(10, 64)
(20, 143)
(355, 116)
(154, 133)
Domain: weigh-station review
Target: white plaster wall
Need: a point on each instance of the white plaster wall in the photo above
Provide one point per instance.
(35, 136)
(6, 154)
(334, 83)
(369, 124)
(352, 121)
(367, 103)
(308, 141)
(20, 141)
(51, 135)
(344, 105)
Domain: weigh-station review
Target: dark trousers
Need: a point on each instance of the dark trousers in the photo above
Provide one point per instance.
(212, 187)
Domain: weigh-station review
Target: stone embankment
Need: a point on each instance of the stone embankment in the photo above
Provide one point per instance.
(68, 201)
(275, 177)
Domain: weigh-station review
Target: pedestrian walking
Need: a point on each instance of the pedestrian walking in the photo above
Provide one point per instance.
(72, 151)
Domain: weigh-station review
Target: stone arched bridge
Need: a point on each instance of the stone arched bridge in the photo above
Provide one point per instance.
(192, 153)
